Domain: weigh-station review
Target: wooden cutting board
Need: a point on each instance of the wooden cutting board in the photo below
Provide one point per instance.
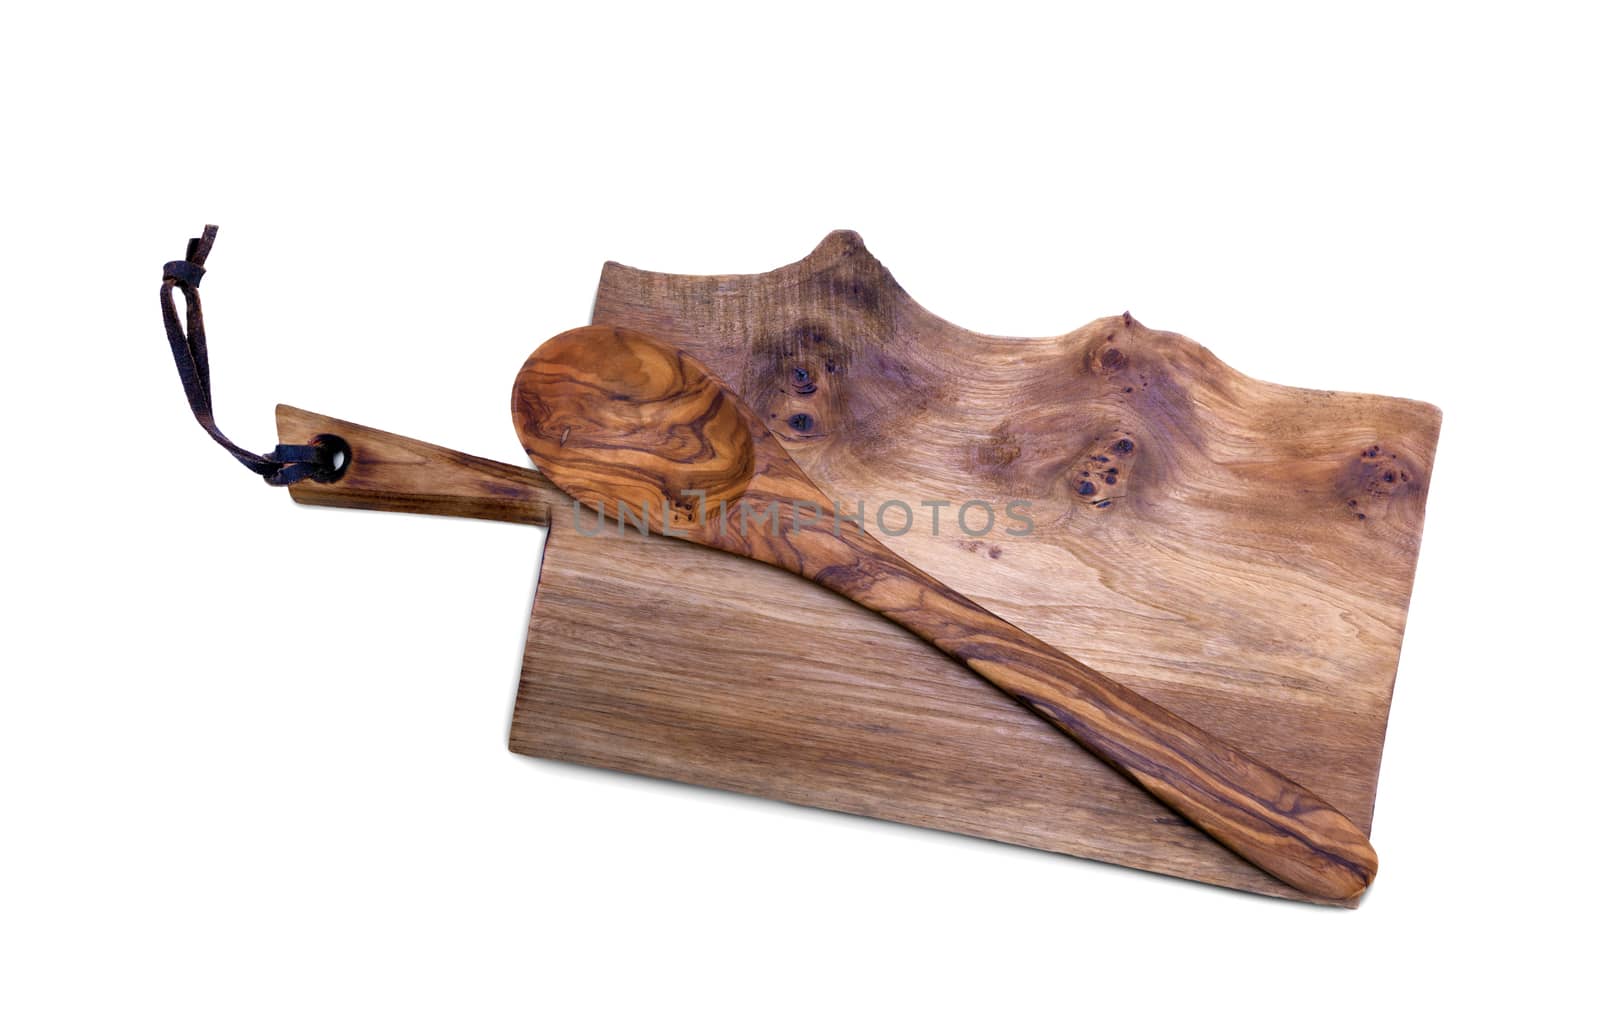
(1238, 551)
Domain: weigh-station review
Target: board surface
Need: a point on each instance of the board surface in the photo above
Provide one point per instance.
(1239, 551)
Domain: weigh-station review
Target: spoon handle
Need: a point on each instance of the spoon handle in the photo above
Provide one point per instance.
(1242, 803)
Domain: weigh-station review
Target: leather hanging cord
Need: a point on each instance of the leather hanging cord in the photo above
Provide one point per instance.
(285, 465)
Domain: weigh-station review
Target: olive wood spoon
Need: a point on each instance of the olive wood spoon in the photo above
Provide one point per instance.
(615, 417)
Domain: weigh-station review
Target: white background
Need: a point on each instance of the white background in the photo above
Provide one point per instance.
(253, 754)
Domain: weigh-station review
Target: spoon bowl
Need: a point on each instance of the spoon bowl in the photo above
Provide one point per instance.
(613, 417)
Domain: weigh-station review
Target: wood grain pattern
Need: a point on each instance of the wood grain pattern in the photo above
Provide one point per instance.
(615, 418)
(1244, 558)
(392, 472)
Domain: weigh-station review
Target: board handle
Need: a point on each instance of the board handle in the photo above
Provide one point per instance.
(378, 470)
